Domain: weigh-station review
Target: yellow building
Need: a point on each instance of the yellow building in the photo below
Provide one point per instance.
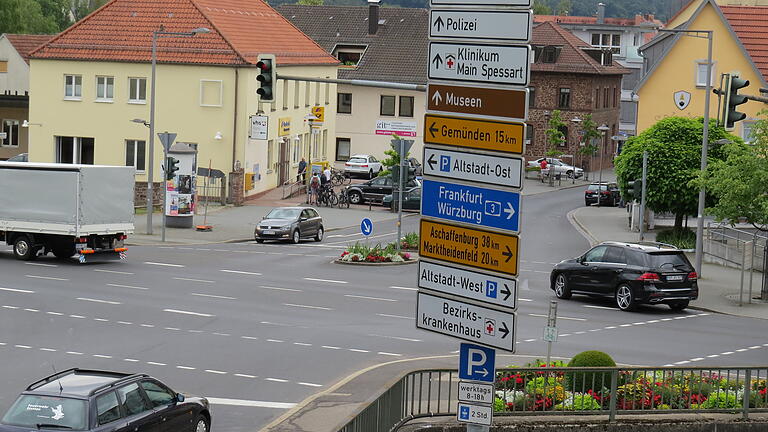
(675, 64)
(92, 80)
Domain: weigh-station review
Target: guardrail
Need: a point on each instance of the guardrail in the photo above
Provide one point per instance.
(742, 249)
(290, 189)
(560, 390)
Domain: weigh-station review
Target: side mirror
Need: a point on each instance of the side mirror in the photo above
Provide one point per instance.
(302, 219)
(580, 259)
(179, 397)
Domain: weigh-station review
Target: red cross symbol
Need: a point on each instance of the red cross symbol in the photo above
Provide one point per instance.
(490, 327)
(449, 63)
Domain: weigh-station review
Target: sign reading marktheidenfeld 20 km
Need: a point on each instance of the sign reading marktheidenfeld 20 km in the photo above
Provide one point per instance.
(489, 64)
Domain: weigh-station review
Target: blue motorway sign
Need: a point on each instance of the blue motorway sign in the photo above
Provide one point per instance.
(366, 227)
(477, 363)
(470, 204)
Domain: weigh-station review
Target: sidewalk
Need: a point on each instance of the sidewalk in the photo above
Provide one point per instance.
(718, 285)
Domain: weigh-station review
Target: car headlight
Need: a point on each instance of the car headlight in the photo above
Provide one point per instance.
(285, 227)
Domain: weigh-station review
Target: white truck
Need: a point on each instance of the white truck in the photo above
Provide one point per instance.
(83, 211)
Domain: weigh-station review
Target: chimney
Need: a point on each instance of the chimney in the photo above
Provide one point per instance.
(601, 13)
(373, 16)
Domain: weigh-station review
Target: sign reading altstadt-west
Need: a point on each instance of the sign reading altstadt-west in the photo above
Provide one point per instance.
(477, 134)
(468, 284)
(489, 64)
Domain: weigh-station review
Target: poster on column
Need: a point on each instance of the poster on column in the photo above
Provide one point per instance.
(181, 189)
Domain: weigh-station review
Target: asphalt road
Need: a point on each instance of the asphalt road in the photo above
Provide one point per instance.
(258, 328)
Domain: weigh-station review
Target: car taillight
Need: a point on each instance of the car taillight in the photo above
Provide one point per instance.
(693, 276)
(347, 164)
(605, 193)
(649, 277)
(82, 240)
(364, 166)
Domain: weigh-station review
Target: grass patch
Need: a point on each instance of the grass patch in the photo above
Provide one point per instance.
(683, 239)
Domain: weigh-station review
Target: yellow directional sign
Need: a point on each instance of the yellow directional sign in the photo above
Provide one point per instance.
(478, 134)
(469, 246)
(319, 113)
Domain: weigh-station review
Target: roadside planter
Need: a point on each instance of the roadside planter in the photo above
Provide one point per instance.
(366, 255)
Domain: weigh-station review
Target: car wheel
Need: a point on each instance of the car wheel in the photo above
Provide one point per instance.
(586, 203)
(678, 306)
(202, 424)
(23, 249)
(319, 235)
(561, 287)
(296, 237)
(569, 174)
(370, 174)
(259, 241)
(625, 299)
(355, 197)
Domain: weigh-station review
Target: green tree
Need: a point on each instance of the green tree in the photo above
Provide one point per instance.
(674, 157)
(24, 16)
(541, 9)
(58, 10)
(555, 134)
(80, 8)
(392, 159)
(589, 127)
(310, 2)
(564, 7)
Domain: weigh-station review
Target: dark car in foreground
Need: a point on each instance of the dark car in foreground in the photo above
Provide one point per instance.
(631, 273)
(375, 190)
(291, 224)
(607, 192)
(102, 401)
(411, 199)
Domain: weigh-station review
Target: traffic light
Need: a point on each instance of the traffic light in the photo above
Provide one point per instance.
(171, 166)
(266, 78)
(734, 99)
(635, 190)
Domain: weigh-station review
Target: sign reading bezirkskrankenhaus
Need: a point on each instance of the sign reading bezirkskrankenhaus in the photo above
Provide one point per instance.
(494, 64)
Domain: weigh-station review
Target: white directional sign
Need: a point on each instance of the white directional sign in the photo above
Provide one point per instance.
(494, 64)
(507, 25)
(473, 285)
(477, 414)
(519, 3)
(494, 170)
(475, 392)
(477, 324)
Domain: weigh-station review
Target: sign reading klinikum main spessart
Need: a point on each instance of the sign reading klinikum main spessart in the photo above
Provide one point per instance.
(490, 64)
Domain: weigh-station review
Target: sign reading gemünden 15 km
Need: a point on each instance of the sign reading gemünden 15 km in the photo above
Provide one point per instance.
(477, 134)
(502, 25)
(489, 64)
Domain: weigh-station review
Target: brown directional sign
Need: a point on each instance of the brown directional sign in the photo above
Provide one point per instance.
(507, 103)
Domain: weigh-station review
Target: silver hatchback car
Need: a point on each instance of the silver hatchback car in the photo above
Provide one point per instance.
(290, 224)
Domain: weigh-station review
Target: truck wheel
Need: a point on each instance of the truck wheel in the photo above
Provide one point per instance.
(63, 252)
(23, 249)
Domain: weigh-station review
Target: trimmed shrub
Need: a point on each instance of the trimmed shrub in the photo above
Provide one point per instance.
(582, 382)
(684, 238)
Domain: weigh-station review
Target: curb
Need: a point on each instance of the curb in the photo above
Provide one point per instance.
(365, 263)
(581, 228)
(554, 190)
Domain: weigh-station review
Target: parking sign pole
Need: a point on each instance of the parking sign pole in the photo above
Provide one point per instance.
(551, 324)
(401, 143)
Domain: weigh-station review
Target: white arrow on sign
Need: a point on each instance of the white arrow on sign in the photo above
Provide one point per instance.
(510, 211)
(436, 97)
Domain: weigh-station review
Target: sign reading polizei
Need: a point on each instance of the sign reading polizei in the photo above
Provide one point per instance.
(509, 103)
(483, 207)
(500, 136)
(489, 64)
(477, 324)
(517, 3)
(504, 25)
(493, 170)
(468, 284)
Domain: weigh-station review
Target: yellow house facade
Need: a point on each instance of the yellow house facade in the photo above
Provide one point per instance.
(675, 80)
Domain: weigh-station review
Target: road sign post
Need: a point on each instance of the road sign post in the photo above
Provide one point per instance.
(550, 331)
(167, 139)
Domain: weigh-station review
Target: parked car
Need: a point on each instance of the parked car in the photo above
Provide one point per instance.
(411, 199)
(608, 192)
(557, 166)
(91, 400)
(21, 157)
(375, 190)
(291, 224)
(631, 273)
(362, 164)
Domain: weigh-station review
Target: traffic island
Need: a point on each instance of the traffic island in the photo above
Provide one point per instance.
(377, 260)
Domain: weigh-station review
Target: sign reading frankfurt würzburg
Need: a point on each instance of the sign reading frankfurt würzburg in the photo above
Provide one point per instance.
(488, 208)
(477, 134)
(478, 324)
(504, 25)
(490, 102)
(488, 64)
(469, 284)
(469, 246)
(494, 170)
(517, 3)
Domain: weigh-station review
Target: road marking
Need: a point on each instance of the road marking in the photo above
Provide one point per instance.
(250, 403)
(221, 334)
(741, 350)
(172, 328)
(302, 344)
(697, 359)
(101, 319)
(275, 324)
(565, 334)
(330, 347)
(102, 356)
(599, 307)
(98, 301)
(23, 291)
(358, 350)
(48, 349)
(245, 375)
(389, 354)
(46, 278)
(202, 249)
(130, 360)
(279, 289)
(241, 272)
(610, 327)
(754, 347)
(726, 353)
(113, 272)
(76, 316)
(162, 264)
(195, 331)
(369, 298)
(184, 367)
(125, 322)
(23, 346)
(307, 306)
(275, 340)
(395, 316)
(213, 371)
(156, 363)
(404, 288)
(31, 310)
(11, 307)
(276, 380)
(396, 337)
(309, 384)
(625, 325)
(147, 325)
(183, 312)
(194, 280)
(559, 317)
(74, 353)
(524, 299)
(682, 362)
(249, 337)
(41, 264)
(127, 286)
(713, 355)
(325, 280)
(214, 296)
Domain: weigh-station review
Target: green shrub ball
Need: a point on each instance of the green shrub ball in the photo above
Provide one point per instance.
(584, 381)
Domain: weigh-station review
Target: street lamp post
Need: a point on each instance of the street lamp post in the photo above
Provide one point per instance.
(603, 129)
(577, 121)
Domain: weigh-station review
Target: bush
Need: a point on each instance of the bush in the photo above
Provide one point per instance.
(684, 238)
(579, 402)
(721, 400)
(585, 381)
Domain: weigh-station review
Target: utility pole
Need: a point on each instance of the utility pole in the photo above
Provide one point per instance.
(642, 195)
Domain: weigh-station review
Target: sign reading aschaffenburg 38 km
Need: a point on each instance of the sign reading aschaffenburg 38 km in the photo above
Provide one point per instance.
(477, 134)
(477, 324)
(478, 101)
(494, 170)
(468, 284)
(505, 25)
(490, 64)
(469, 246)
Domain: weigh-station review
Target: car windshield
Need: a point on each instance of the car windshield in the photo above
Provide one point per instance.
(357, 160)
(594, 187)
(47, 411)
(282, 213)
(668, 261)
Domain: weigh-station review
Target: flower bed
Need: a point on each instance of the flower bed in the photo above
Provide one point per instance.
(376, 254)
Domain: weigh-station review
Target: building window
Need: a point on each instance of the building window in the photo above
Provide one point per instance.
(349, 55)
(701, 73)
(11, 129)
(597, 98)
(530, 134)
(344, 103)
(342, 149)
(296, 150)
(211, 94)
(135, 154)
(406, 106)
(605, 97)
(3, 66)
(550, 54)
(615, 96)
(325, 144)
(105, 88)
(531, 97)
(387, 106)
(137, 90)
(74, 150)
(565, 98)
(73, 87)
(607, 41)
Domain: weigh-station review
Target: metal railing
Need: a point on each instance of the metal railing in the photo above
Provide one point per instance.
(742, 249)
(610, 391)
(292, 188)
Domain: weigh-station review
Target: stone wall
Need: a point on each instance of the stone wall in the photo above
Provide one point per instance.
(236, 187)
(140, 194)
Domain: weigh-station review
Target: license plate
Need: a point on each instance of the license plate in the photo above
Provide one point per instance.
(268, 232)
(675, 278)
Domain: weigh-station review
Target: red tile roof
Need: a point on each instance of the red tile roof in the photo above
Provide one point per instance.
(565, 19)
(25, 43)
(572, 57)
(751, 26)
(240, 30)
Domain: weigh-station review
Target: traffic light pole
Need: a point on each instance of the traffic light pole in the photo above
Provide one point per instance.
(642, 195)
(165, 190)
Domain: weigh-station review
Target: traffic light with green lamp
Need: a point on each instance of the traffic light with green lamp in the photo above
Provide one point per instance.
(266, 78)
(171, 166)
(733, 100)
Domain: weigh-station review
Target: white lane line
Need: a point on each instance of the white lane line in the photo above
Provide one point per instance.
(41, 264)
(214, 371)
(88, 299)
(74, 353)
(162, 264)
(560, 317)
(194, 280)
(113, 272)
(524, 300)
(250, 403)
(325, 280)
(102, 356)
(279, 288)
(195, 331)
(147, 325)
(130, 360)
(276, 380)
(48, 349)
(127, 286)
(610, 327)
(156, 363)
(741, 350)
(221, 334)
(369, 298)
(396, 338)
(249, 337)
(309, 384)
(754, 347)
(125, 322)
(307, 306)
(202, 249)
(726, 353)
(16, 290)
(389, 354)
(599, 307)
(530, 340)
(330, 347)
(11, 307)
(245, 375)
(275, 340)
(713, 355)
(183, 312)
(697, 359)
(184, 367)
(682, 362)
(358, 350)
(394, 316)
(23, 346)
(302, 344)
(76, 316)
(31, 310)
(625, 325)
(214, 296)
(101, 319)
(404, 288)
(241, 272)
(46, 278)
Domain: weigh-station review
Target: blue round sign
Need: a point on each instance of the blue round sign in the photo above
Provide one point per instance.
(366, 227)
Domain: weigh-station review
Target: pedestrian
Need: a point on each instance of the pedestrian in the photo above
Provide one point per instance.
(543, 166)
(302, 170)
(327, 174)
(314, 189)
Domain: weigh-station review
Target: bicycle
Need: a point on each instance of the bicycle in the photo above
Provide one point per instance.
(327, 196)
(343, 198)
(339, 178)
